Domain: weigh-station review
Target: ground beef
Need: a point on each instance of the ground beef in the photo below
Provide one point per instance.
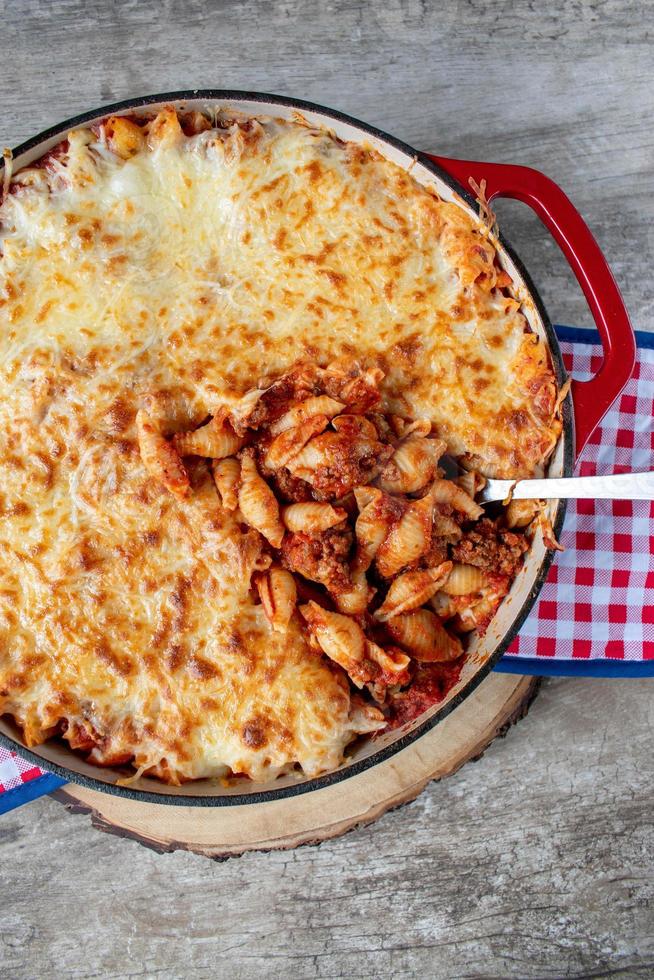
(436, 555)
(272, 403)
(352, 463)
(430, 685)
(321, 557)
(490, 549)
(359, 396)
(295, 386)
(291, 489)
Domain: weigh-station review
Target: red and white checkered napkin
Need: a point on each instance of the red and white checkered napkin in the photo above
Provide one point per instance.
(597, 606)
(22, 781)
(15, 771)
(598, 601)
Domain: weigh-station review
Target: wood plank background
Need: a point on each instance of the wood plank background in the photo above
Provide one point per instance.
(537, 861)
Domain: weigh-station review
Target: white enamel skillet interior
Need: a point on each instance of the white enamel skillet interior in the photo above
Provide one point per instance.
(483, 652)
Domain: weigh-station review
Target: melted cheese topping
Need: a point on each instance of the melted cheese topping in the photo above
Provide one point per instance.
(176, 278)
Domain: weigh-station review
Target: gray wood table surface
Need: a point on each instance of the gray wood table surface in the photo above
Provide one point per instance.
(537, 861)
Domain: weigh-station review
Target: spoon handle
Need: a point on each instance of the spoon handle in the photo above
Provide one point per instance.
(617, 486)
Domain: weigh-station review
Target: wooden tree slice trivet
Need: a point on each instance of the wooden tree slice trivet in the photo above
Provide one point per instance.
(220, 832)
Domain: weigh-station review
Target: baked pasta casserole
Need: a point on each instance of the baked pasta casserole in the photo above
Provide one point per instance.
(251, 379)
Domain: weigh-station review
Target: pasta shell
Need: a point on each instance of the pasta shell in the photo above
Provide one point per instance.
(411, 590)
(313, 644)
(471, 482)
(267, 402)
(422, 634)
(240, 412)
(371, 528)
(478, 613)
(373, 377)
(226, 476)
(278, 594)
(160, 458)
(314, 454)
(476, 616)
(336, 462)
(196, 122)
(444, 526)
(443, 605)
(464, 621)
(384, 430)
(164, 129)
(341, 638)
(358, 598)
(258, 503)
(125, 137)
(365, 717)
(394, 663)
(312, 517)
(407, 540)
(317, 405)
(263, 560)
(359, 393)
(365, 496)
(520, 513)
(325, 448)
(446, 492)
(464, 579)
(215, 440)
(348, 504)
(412, 465)
(420, 427)
(357, 426)
(289, 442)
(252, 556)
(397, 424)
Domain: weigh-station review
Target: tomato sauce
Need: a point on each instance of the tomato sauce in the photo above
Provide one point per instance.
(430, 685)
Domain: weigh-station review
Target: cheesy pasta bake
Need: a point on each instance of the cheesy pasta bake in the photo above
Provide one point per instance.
(251, 379)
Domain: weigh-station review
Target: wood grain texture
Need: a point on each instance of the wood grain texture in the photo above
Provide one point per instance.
(311, 818)
(537, 861)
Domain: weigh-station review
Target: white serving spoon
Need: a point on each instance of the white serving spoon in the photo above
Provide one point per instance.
(618, 486)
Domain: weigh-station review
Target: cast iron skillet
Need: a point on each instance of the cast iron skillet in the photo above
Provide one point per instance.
(582, 410)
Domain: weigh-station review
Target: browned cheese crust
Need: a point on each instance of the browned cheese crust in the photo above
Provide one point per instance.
(149, 275)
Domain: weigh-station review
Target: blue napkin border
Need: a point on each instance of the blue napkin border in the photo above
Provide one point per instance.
(27, 792)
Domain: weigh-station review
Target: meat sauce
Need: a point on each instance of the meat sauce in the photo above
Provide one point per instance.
(430, 685)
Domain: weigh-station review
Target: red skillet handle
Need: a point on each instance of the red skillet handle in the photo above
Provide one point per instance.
(591, 398)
